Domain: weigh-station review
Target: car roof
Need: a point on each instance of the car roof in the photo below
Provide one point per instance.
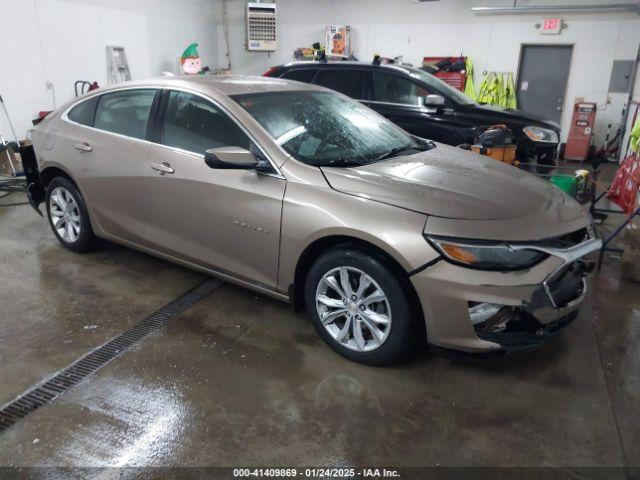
(222, 84)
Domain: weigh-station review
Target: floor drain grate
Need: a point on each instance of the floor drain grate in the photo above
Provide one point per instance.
(55, 386)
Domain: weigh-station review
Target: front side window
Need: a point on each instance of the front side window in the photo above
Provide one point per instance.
(342, 80)
(83, 112)
(325, 129)
(392, 88)
(125, 112)
(438, 86)
(194, 124)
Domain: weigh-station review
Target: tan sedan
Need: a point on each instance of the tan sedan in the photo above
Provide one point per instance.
(306, 195)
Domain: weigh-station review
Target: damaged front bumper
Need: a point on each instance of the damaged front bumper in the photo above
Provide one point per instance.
(553, 307)
(524, 307)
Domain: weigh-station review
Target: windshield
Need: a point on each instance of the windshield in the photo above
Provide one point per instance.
(439, 85)
(327, 129)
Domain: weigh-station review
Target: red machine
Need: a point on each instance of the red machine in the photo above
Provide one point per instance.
(452, 70)
(581, 133)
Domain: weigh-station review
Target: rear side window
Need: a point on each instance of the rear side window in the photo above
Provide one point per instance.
(194, 124)
(301, 75)
(83, 112)
(392, 88)
(344, 81)
(125, 112)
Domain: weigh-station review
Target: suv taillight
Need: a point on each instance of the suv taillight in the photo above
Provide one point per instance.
(270, 72)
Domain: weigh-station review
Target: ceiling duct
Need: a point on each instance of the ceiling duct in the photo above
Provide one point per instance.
(633, 7)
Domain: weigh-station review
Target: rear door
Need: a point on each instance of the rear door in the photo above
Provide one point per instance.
(110, 156)
(228, 220)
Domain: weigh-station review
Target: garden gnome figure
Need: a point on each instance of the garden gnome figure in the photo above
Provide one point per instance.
(190, 60)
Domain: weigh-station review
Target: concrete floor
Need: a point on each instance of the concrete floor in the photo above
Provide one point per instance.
(240, 380)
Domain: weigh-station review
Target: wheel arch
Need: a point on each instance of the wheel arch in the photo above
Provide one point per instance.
(53, 171)
(315, 249)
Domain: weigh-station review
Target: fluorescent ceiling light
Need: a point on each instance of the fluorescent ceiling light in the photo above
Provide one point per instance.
(635, 7)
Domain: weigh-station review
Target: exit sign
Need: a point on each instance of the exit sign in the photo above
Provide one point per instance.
(551, 26)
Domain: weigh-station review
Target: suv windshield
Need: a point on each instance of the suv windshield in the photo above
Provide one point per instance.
(326, 129)
(439, 85)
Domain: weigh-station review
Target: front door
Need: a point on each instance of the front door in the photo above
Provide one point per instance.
(228, 220)
(542, 79)
(402, 101)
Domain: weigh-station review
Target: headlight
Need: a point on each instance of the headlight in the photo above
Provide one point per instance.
(486, 256)
(538, 134)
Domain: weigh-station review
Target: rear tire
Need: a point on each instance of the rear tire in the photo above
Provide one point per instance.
(68, 216)
(376, 325)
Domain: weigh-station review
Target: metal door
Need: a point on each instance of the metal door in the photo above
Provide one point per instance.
(542, 79)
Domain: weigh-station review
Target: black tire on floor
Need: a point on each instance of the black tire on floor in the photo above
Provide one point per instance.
(86, 240)
(404, 331)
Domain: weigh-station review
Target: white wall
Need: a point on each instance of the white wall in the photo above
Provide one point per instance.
(448, 27)
(61, 41)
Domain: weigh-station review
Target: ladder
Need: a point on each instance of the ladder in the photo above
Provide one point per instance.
(117, 65)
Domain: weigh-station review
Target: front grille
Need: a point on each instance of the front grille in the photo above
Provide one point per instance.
(522, 331)
(567, 284)
(567, 240)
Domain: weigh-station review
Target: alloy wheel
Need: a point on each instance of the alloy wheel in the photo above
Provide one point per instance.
(64, 214)
(353, 308)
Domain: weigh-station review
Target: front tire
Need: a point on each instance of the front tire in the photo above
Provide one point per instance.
(360, 307)
(68, 216)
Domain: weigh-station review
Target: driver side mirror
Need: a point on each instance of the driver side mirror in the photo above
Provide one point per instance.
(234, 158)
(432, 102)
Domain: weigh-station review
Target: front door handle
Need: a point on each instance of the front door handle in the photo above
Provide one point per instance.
(163, 167)
(83, 147)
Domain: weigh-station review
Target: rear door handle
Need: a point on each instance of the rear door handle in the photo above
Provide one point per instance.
(163, 167)
(83, 147)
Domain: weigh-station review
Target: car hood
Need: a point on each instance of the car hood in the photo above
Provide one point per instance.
(449, 182)
(515, 115)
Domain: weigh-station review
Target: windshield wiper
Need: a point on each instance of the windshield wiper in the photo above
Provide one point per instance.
(341, 163)
(396, 150)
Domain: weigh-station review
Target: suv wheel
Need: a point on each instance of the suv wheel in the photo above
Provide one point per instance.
(359, 307)
(68, 216)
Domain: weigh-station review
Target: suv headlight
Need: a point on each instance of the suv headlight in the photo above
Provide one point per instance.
(539, 134)
(486, 256)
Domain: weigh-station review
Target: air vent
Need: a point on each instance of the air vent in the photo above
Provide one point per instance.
(261, 27)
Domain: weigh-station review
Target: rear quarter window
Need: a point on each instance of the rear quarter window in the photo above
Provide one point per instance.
(84, 112)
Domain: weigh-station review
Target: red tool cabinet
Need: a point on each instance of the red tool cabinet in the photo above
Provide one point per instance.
(581, 132)
(455, 79)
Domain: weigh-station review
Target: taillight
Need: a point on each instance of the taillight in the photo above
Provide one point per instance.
(270, 72)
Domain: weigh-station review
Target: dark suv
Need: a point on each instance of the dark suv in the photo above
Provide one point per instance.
(426, 106)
